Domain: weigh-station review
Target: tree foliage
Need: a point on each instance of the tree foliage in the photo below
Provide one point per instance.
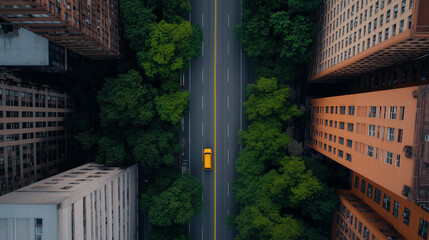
(172, 45)
(172, 106)
(126, 101)
(156, 146)
(138, 22)
(111, 151)
(175, 205)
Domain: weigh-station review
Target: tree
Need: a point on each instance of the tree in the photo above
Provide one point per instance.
(255, 35)
(265, 139)
(87, 139)
(126, 101)
(168, 233)
(177, 204)
(111, 152)
(295, 35)
(302, 5)
(172, 106)
(156, 146)
(267, 99)
(138, 23)
(172, 45)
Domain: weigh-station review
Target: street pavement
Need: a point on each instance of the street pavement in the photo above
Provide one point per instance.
(216, 103)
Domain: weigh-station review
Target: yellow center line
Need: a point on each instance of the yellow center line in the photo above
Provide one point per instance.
(215, 29)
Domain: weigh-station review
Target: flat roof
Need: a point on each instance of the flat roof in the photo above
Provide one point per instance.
(69, 185)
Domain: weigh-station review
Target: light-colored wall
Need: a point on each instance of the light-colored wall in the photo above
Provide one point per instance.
(31, 211)
(24, 49)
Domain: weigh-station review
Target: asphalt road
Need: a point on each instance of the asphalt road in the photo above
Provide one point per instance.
(216, 103)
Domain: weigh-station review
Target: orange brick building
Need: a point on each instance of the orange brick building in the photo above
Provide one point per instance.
(360, 36)
(370, 211)
(381, 135)
(89, 28)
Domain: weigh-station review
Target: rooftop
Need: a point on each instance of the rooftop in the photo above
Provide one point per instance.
(71, 184)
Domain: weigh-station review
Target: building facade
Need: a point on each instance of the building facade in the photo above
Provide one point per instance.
(370, 211)
(359, 36)
(88, 28)
(24, 50)
(383, 135)
(88, 202)
(33, 140)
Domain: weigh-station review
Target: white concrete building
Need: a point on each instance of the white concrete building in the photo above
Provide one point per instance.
(88, 202)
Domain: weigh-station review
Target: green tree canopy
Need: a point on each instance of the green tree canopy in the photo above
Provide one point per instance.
(266, 139)
(156, 146)
(295, 35)
(267, 99)
(138, 22)
(172, 106)
(172, 45)
(125, 101)
(111, 152)
(175, 205)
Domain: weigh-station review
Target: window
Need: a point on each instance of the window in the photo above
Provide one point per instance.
(395, 11)
(371, 130)
(423, 228)
(403, 6)
(366, 233)
(386, 202)
(395, 208)
(375, 23)
(357, 182)
(342, 125)
(38, 228)
(400, 132)
(394, 30)
(409, 21)
(392, 113)
(370, 188)
(372, 111)
(342, 110)
(350, 127)
(348, 157)
(388, 16)
(401, 26)
(389, 157)
(390, 134)
(377, 195)
(398, 160)
(381, 19)
(370, 152)
(386, 34)
(341, 140)
(349, 143)
(363, 186)
(401, 113)
(406, 215)
(340, 153)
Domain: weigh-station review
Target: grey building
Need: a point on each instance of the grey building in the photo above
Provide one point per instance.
(88, 202)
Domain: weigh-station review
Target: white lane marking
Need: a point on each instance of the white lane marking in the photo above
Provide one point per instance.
(228, 189)
(202, 49)
(202, 102)
(202, 19)
(228, 20)
(228, 156)
(227, 130)
(227, 212)
(227, 47)
(227, 75)
(227, 102)
(202, 129)
(202, 75)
